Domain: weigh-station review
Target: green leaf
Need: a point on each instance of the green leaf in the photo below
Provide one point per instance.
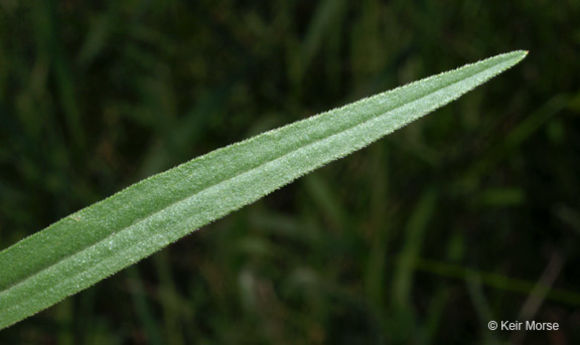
(95, 242)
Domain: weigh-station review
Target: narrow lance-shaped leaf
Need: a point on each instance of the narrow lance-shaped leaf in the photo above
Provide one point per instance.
(95, 242)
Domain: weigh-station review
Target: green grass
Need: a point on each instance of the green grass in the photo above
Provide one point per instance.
(97, 241)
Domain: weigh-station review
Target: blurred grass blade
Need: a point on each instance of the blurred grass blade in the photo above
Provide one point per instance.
(93, 243)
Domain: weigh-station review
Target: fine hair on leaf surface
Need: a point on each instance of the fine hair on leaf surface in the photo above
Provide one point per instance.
(102, 239)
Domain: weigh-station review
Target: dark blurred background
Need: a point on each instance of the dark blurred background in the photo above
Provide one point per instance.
(469, 215)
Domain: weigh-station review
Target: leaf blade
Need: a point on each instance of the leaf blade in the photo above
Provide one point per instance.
(93, 243)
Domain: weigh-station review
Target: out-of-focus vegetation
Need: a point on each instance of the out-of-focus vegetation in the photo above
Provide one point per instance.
(467, 216)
